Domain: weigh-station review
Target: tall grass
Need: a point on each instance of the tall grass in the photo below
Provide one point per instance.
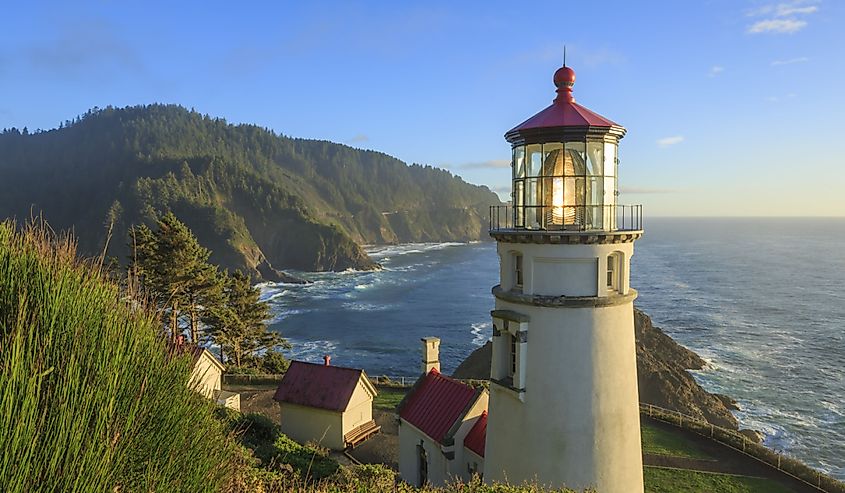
(89, 400)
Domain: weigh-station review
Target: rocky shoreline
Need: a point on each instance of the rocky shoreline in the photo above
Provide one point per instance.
(662, 372)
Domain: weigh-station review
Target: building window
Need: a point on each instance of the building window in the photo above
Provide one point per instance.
(517, 271)
(613, 270)
(423, 465)
(513, 346)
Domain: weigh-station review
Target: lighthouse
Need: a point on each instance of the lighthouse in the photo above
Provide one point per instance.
(563, 403)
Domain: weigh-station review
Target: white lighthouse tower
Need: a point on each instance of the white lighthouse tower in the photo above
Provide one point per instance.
(563, 405)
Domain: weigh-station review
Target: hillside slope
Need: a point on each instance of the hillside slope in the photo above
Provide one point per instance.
(256, 199)
(92, 400)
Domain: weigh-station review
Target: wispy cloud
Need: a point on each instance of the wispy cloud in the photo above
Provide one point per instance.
(781, 18)
(670, 141)
(782, 26)
(492, 164)
(790, 61)
(359, 138)
(715, 70)
(784, 9)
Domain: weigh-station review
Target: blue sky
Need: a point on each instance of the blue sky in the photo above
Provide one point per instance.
(731, 106)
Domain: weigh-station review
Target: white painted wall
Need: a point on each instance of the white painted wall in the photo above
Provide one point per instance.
(570, 270)
(457, 467)
(409, 438)
(304, 424)
(565, 276)
(579, 423)
(359, 410)
(205, 377)
(473, 460)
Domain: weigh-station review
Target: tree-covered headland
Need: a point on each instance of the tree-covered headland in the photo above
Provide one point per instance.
(257, 200)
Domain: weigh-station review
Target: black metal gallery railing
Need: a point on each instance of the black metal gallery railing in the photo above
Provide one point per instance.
(566, 218)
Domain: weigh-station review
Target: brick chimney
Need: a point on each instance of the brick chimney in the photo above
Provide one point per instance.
(327, 360)
(430, 354)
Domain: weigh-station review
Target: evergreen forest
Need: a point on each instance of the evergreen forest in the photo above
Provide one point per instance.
(258, 200)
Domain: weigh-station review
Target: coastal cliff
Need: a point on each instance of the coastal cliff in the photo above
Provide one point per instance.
(258, 200)
(662, 374)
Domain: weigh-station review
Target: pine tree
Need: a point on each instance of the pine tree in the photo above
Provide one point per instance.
(239, 324)
(173, 267)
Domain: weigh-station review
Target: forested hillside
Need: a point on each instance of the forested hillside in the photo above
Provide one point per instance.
(255, 198)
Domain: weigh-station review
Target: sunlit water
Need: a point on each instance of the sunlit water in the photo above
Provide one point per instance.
(761, 300)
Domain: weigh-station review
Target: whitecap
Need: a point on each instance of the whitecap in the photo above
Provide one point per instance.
(479, 332)
(359, 306)
(275, 296)
(312, 351)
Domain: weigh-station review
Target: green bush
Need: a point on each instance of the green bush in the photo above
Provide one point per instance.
(258, 427)
(306, 461)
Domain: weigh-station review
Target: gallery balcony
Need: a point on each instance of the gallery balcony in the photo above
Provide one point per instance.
(555, 222)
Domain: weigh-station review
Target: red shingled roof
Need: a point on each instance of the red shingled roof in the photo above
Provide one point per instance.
(477, 436)
(436, 403)
(564, 114)
(321, 386)
(181, 348)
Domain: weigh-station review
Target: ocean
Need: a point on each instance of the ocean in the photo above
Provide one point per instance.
(761, 300)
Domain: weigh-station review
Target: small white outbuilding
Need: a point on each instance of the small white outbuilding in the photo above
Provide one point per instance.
(207, 374)
(442, 426)
(328, 405)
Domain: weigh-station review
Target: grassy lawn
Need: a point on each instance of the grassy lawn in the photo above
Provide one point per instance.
(387, 398)
(659, 480)
(662, 442)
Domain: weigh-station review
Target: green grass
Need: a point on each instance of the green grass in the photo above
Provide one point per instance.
(387, 398)
(661, 442)
(658, 480)
(89, 400)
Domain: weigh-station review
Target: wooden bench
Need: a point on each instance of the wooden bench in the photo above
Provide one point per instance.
(361, 433)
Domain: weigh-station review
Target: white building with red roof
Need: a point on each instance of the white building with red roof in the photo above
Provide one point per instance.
(328, 405)
(435, 420)
(206, 374)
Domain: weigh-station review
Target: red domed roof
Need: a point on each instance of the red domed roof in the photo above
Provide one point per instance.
(564, 111)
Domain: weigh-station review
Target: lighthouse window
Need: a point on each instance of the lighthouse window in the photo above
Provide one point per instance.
(613, 271)
(519, 162)
(512, 369)
(517, 271)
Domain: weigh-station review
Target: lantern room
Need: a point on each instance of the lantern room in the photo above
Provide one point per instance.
(564, 169)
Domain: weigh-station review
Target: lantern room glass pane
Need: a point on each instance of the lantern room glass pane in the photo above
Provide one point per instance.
(609, 159)
(519, 162)
(595, 158)
(534, 155)
(595, 201)
(575, 159)
(553, 159)
(533, 203)
(518, 201)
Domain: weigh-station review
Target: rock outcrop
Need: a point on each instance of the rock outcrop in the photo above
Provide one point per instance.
(662, 374)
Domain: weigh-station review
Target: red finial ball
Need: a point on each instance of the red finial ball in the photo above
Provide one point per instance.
(564, 76)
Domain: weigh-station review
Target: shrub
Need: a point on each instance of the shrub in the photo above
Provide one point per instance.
(258, 427)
